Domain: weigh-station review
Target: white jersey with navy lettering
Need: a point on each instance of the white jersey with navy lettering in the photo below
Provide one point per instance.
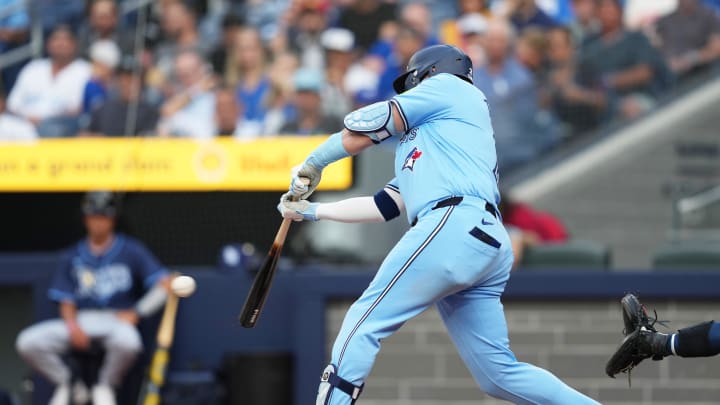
(449, 147)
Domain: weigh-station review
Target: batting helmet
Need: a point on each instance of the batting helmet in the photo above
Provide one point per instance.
(100, 203)
(432, 60)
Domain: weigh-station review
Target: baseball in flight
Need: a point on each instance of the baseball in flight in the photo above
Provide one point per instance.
(183, 286)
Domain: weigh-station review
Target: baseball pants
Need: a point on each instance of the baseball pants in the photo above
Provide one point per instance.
(43, 344)
(458, 258)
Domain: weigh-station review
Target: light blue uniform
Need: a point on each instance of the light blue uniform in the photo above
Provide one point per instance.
(457, 257)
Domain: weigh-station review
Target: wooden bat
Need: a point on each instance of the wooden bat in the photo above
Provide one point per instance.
(263, 279)
(161, 357)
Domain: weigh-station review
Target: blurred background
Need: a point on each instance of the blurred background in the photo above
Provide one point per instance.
(605, 115)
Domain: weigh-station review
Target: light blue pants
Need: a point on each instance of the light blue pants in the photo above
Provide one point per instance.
(439, 262)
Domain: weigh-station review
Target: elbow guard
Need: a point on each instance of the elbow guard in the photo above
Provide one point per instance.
(374, 120)
(387, 206)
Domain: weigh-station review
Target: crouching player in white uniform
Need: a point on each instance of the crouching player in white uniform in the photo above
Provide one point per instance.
(457, 255)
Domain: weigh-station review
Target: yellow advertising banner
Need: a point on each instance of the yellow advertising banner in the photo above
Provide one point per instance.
(158, 164)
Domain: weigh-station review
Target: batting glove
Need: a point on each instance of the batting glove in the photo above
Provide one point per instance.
(329, 151)
(297, 210)
(305, 179)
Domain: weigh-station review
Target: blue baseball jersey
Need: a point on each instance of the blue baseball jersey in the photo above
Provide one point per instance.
(449, 147)
(111, 280)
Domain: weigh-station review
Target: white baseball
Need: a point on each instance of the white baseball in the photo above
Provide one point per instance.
(183, 286)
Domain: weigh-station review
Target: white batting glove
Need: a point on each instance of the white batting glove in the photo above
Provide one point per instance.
(297, 210)
(305, 179)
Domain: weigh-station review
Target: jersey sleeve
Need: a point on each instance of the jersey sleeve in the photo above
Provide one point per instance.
(427, 101)
(393, 185)
(147, 266)
(63, 286)
(386, 203)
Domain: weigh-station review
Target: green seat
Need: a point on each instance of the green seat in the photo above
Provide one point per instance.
(572, 255)
(687, 255)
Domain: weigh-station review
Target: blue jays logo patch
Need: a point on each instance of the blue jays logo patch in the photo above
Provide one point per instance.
(414, 155)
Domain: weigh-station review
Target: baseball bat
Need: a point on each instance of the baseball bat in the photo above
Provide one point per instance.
(161, 357)
(263, 279)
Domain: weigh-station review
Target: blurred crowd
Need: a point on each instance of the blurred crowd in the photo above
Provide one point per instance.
(551, 69)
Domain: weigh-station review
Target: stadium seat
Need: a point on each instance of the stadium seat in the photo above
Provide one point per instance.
(573, 255)
(687, 255)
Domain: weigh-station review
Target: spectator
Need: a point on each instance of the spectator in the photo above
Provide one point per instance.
(451, 31)
(103, 23)
(277, 102)
(105, 56)
(124, 113)
(526, 13)
(51, 13)
(531, 51)
(189, 112)
(581, 108)
(12, 127)
(528, 227)
(365, 19)
(305, 34)
(265, 15)
(585, 27)
(544, 226)
(95, 286)
(472, 29)
(229, 118)
(179, 28)
(14, 30)
(408, 42)
(414, 15)
(220, 57)
(344, 76)
(624, 62)
(248, 72)
(310, 119)
(512, 95)
(49, 91)
(418, 16)
(690, 37)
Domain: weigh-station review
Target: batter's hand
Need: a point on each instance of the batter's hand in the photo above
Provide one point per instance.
(305, 179)
(297, 210)
(78, 338)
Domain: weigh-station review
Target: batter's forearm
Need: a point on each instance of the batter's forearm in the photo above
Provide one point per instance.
(355, 142)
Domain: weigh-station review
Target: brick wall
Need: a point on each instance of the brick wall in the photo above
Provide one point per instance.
(419, 366)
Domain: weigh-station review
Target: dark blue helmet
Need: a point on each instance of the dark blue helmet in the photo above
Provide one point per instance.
(100, 203)
(432, 60)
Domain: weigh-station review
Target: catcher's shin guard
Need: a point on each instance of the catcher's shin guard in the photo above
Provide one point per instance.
(330, 380)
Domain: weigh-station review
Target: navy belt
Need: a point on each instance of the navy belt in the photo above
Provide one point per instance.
(448, 202)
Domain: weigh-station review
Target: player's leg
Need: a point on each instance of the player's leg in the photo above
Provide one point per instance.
(417, 272)
(41, 346)
(476, 323)
(121, 342)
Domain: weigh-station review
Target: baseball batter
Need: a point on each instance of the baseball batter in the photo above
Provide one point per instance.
(95, 287)
(456, 255)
